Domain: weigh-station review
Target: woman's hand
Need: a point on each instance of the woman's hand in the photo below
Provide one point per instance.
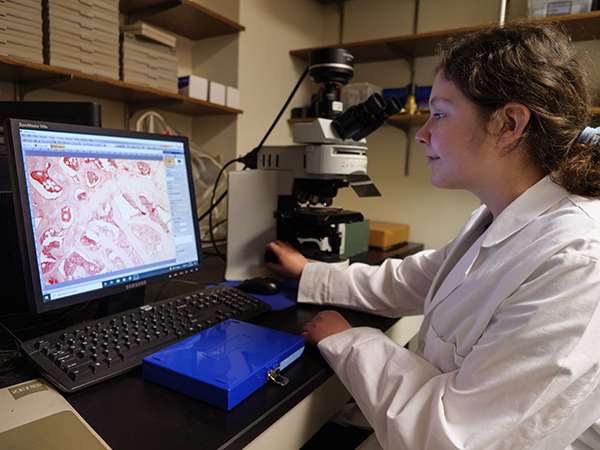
(291, 261)
(323, 325)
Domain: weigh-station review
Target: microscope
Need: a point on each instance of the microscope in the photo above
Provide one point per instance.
(289, 194)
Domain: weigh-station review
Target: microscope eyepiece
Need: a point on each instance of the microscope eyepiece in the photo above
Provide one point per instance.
(360, 120)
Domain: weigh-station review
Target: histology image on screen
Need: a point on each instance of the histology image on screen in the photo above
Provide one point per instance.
(98, 215)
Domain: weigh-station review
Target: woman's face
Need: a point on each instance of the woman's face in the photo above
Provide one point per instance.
(455, 139)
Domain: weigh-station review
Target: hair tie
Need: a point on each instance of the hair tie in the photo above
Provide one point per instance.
(589, 135)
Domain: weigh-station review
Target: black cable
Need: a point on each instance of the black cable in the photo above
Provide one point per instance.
(285, 105)
(221, 222)
(217, 201)
(9, 357)
(249, 160)
(210, 212)
(259, 146)
(219, 241)
(11, 334)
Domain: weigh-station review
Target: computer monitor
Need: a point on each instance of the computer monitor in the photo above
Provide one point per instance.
(99, 211)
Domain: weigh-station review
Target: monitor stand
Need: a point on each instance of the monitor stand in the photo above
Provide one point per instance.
(123, 301)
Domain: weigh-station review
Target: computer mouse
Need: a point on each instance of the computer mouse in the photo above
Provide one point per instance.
(260, 285)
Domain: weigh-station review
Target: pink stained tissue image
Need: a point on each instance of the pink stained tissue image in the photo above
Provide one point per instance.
(98, 215)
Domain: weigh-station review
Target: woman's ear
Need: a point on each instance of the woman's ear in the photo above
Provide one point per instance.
(513, 118)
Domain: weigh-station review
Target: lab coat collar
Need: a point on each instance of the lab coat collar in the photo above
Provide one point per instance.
(524, 209)
(442, 288)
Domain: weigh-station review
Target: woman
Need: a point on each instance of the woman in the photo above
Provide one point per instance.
(509, 349)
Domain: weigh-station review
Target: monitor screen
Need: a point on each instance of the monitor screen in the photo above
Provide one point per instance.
(100, 211)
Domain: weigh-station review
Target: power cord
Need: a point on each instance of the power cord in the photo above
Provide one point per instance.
(250, 159)
(212, 206)
(217, 201)
(215, 226)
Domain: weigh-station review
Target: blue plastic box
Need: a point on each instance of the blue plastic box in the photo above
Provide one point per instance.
(224, 364)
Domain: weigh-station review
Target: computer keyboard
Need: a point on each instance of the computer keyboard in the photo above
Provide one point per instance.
(94, 351)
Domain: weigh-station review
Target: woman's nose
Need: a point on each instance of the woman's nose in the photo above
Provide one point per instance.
(422, 135)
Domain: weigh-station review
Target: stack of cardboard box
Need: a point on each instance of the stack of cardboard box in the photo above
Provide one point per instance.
(148, 62)
(83, 35)
(21, 29)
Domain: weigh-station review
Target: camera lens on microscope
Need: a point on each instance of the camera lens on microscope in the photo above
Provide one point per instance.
(330, 68)
(331, 65)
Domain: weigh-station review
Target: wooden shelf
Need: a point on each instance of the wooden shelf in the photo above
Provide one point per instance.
(418, 119)
(585, 26)
(183, 17)
(398, 119)
(30, 76)
(408, 120)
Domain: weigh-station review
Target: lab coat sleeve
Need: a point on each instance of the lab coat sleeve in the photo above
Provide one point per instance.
(526, 383)
(395, 288)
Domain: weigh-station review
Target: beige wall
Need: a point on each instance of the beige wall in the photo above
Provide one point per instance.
(257, 61)
(216, 59)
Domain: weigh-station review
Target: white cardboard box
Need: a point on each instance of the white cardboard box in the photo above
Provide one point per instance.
(216, 93)
(193, 86)
(545, 8)
(233, 97)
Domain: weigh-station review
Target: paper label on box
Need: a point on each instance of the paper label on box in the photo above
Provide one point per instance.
(558, 8)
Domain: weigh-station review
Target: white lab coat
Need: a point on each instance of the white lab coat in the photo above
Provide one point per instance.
(509, 354)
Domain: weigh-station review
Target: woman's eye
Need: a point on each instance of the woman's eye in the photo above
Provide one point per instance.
(438, 115)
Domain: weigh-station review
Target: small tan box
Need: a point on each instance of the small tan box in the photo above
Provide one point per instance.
(386, 235)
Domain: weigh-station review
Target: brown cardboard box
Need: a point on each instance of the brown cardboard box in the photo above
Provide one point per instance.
(386, 235)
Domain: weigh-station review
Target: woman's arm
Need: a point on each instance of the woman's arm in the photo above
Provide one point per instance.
(395, 288)
(530, 382)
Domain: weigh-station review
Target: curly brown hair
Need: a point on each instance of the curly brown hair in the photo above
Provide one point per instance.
(534, 65)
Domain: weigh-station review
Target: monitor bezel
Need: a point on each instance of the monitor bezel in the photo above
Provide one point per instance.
(22, 212)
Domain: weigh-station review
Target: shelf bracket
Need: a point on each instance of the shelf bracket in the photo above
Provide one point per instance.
(145, 12)
(24, 88)
(407, 157)
(134, 107)
(405, 128)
